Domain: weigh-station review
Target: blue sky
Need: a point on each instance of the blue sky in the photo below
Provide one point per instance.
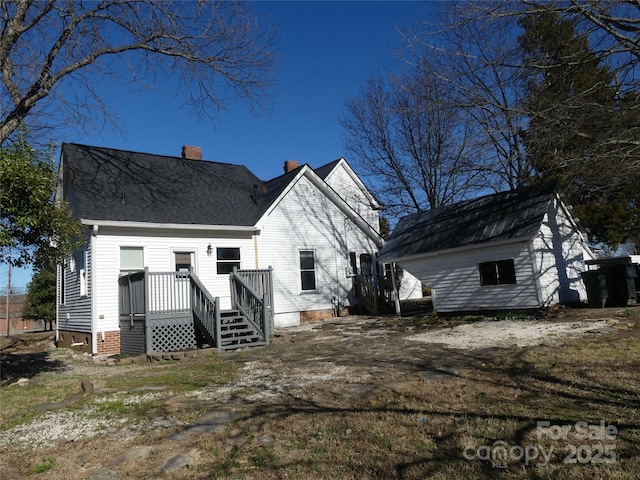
(327, 50)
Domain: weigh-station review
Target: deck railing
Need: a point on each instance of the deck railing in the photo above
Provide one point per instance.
(206, 311)
(172, 311)
(373, 292)
(251, 294)
(367, 295)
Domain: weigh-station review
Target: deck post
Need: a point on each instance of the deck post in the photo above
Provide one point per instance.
(396, 297)
(218, 326)
(265, 318)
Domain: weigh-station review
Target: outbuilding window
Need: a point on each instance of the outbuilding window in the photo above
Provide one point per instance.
(502, 272)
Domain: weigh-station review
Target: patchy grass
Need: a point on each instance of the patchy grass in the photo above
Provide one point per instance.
(47, 464)
(570, 411)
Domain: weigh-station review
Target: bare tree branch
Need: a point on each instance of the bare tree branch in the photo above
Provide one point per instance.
(218, 50)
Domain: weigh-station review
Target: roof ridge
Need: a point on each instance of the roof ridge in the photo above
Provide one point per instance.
(179, 157)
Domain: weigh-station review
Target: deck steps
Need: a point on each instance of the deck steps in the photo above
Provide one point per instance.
(237, 332)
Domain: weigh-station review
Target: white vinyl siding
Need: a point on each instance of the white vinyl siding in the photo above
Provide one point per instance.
(307, 270)
(159, 256)
(455, 277)
(547, 269)
(352, 193)
(227, 259)
(74, 291)
(558, 254)
(306, 220)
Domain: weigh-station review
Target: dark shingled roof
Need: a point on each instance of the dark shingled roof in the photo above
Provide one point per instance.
(120, 185)
(325, 170)
(501, 216)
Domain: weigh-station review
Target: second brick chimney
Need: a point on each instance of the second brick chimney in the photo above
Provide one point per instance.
(191, 152)
(290, 165)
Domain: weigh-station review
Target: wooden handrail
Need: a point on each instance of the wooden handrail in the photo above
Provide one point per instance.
(236, 281)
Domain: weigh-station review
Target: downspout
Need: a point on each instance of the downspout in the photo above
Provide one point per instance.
(91, 290)
(255, 250)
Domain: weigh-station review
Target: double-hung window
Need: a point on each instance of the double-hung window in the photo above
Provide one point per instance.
(307, 270)
(227, 259)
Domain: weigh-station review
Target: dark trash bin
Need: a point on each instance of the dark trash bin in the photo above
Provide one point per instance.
(595, 282)
(613, 284)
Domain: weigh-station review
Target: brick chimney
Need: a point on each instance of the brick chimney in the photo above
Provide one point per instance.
(191, 152)
(290, 165)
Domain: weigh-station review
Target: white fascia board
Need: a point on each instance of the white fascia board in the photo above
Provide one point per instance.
(374, 203)
(421, 256)
(568, 211)
(170, 226)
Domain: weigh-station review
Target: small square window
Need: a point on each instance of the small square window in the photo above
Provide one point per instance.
(502, 272)
(131, 259)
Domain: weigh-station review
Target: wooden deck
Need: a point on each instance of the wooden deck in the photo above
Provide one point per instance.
(173, 311)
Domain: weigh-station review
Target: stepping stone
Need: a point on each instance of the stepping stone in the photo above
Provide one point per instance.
(177, 437)
(218, 417)
(433, 375)
(49, 406)
(131, 454)
(205, 428)
(262, 439)
(214, 421)
(182, 460)
(440, 373)
(350, 391)
(239, 439)
(602, 330)
(451, 370)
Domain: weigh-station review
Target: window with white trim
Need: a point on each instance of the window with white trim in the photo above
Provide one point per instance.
(227, 259)
(82, 272)
(131, 259)
(307, 270)
(501, 272)
(184, 261)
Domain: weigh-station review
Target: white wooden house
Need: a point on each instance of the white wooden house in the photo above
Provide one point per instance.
(311, 228)
(521, 249)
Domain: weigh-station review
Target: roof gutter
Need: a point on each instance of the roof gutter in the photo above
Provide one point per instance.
(171, 226)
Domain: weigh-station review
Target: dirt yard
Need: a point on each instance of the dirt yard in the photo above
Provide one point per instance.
(355, 397)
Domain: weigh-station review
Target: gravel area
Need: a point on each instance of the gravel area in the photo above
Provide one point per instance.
(509, 333)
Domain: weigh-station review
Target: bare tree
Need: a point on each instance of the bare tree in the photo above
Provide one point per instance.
(591, 134)
(475, 47)
(415, 150)
(58, 56)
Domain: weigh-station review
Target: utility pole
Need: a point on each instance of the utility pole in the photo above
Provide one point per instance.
(8, 294)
